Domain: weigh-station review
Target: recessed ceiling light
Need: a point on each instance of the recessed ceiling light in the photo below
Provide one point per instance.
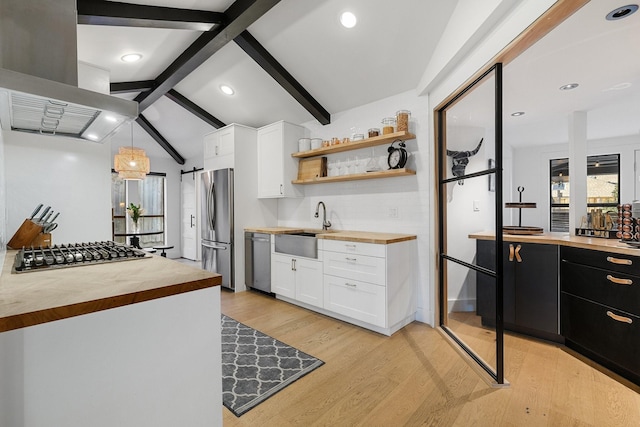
(131, 57)
(622, 12)
(348, 20)
(569, 86)
(227, 90)
(518, 114)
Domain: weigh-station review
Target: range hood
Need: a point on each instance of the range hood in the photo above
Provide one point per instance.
(39, 90)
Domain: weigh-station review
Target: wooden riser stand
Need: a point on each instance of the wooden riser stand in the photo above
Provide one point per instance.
(29, 234)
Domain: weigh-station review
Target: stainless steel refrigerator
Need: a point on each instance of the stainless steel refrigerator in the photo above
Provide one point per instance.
(217, 224)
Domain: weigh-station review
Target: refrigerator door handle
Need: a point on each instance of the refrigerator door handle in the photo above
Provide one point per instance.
(214, 247)
(211, 204)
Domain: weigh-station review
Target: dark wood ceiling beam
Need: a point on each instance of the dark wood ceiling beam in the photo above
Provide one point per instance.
(153, 132)
(194, 109)
(259, 54)
(101, 12)
(128, 87)
(239, 16)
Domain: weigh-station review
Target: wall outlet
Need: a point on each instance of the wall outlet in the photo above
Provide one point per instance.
(476, 205)
(393, 212)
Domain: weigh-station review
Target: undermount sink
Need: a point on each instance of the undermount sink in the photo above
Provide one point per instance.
(301, 244)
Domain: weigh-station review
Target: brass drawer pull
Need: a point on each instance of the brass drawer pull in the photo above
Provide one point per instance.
(618, 281)
(510, 253)
(518, 257)
(619, 318)
(619, 261)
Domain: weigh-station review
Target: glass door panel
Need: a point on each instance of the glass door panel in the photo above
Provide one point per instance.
(469, 205)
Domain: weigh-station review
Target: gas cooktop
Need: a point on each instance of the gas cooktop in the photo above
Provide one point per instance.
(74, 255)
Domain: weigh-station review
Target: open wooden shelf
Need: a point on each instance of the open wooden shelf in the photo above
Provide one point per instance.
(357, 176)
(354, 145)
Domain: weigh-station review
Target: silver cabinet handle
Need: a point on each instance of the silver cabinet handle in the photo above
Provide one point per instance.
(281, 189)
(619, 261)
(351, 259)
(191, 223)
(619, 281)
(216, 149)
(619, 318)
(351, 285)
(293, 264)
(352, 247)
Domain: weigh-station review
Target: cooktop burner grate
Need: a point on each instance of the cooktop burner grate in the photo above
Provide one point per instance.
(74, 255)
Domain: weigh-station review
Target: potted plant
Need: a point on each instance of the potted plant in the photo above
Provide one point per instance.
(135, 212)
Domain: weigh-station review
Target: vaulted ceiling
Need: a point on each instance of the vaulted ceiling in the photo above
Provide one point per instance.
(285, 59)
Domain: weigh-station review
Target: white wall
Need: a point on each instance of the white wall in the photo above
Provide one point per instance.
(369, 205)
(71, 176)
(3, 202)
(531, 170)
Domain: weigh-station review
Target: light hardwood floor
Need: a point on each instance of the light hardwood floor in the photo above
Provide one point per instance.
(415, 378)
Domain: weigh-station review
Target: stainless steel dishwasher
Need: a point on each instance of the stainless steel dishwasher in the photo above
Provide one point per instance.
(257, 261)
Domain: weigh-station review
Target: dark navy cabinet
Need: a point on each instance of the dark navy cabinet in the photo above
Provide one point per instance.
(531, 288)
(600, 308)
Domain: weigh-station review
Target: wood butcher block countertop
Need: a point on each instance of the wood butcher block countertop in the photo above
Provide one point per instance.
(351, 236)
(32, 298)
(564, 239)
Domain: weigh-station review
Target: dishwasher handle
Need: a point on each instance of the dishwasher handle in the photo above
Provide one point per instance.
(214, 247)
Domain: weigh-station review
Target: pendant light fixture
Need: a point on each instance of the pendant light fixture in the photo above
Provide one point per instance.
(131, 163)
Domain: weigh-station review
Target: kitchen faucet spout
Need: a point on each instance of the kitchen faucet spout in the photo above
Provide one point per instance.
(325, 224)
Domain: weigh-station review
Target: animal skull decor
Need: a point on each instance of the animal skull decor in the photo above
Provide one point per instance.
(461, 160)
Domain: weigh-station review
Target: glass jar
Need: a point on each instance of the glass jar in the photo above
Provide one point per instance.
(316, 143)
(402, 119)
(304, 144)
(358, 137)
(373, 132)
(388, 124)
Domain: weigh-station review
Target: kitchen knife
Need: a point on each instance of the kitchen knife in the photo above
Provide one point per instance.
(35, 211)
(46, 219)
(43, 214)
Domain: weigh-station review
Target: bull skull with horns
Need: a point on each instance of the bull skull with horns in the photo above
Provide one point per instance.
(461, 160)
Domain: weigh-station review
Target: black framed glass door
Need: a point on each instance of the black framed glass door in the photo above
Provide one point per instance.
(470, 251)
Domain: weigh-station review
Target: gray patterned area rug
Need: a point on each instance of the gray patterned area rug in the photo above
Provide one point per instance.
(255, 366)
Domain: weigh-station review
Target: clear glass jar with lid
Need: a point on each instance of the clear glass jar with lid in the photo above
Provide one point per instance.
(388, 124)
(402, 119)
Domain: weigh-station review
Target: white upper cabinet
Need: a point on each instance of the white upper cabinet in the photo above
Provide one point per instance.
(219, 148)
(276, 167)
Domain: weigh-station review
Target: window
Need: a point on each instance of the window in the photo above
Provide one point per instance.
(149, 193)
(603, 190)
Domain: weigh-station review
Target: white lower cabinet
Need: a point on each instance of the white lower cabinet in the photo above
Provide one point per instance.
(297, 278)
(359, 300)
(369, 285)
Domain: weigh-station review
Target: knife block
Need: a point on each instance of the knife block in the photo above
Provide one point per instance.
(26, 235)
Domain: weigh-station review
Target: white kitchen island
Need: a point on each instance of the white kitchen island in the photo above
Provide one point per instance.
(133, 343)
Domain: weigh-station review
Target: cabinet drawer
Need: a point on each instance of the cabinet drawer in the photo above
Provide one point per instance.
(357, 267)
(614, 289)
(370, 249)
(606, 260)
(594, 327)
(358, 300)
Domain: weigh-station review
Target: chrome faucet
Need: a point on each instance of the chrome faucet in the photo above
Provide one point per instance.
(325, 224)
